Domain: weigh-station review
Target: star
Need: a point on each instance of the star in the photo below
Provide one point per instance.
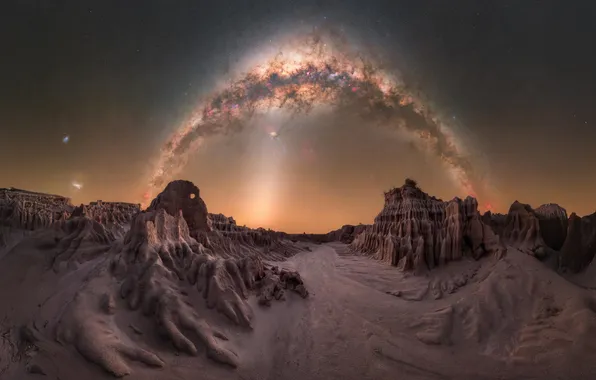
(66, 139)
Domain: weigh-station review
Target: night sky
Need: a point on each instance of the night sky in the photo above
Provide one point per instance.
(117, 77)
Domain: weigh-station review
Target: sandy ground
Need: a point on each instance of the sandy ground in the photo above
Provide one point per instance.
(507, 319)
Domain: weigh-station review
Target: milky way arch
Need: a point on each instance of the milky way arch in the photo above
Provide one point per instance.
(316, 71)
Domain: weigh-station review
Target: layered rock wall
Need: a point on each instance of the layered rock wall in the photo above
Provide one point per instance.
(546, 230)
(221, 222)
(217, 231)
(522, 230)
(553, 221)
(22, 211)
(186, 197)
(345, 234)
(579, 248)
(537, 232)
(416, 231)
(28, 210)
(157, 278)
(114, 215)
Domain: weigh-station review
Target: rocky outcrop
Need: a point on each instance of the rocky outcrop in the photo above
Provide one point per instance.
(537, 232)
(76, 240)
(158, 278)
(553, 221)
(166, 280)
(218, 232)
(579, 248)
(116, 216)
(28, 210)
(107, 213)
(186, 197)
(236, 241)
(346, 233)
(544, 231)
(522, 230)
(221, 222)
(416, 231)
(496, 221)
(22, 211)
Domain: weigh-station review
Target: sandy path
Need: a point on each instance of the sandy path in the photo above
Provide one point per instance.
(348, 329)
(345, 330)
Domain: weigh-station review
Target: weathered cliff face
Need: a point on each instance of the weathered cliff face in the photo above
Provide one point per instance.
(496, 221)
(221, 222)
(347, 233)
(522, 230)
(22, 212)
(579, 248)
(186, 197)
(553, 221)
(545, 230)
(217, 231)
(416, 231)
(116, 216)
(537, 232)
(157, 278)
(29, 211)
(230, 239)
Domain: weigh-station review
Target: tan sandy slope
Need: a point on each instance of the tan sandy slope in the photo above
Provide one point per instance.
(510, 318)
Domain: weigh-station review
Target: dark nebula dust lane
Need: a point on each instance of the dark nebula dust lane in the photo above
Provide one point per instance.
(314, 70)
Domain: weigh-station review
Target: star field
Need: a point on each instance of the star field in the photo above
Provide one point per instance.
(91, 90)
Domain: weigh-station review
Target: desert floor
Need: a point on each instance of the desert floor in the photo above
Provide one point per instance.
(493, 319)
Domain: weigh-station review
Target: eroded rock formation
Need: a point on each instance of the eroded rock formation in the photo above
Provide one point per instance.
(347, 233)
(416, 231)
(28, 210)
(522, 230)
(157, 257)
(230, 239)
(116, 216)
(158, 278)
(553, 221)
(496, 221)
(184, 196)
(221, 222)
(579, 248)
(23, 211)
(217, 231)
(537, 232)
